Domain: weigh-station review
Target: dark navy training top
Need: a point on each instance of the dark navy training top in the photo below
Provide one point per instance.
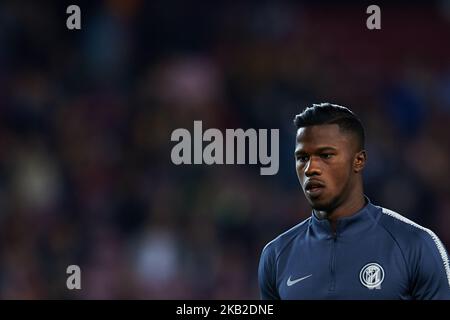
(374, 254)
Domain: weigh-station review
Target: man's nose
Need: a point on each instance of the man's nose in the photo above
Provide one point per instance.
(312, 167)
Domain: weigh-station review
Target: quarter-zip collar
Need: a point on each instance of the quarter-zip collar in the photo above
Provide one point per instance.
(361, 221)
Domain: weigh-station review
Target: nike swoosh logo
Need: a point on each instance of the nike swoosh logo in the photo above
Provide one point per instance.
(292, 282)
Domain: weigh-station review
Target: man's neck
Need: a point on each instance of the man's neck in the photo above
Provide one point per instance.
(346, 209)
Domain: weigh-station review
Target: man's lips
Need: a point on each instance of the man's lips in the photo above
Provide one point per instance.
(311, 185)
(314, 188)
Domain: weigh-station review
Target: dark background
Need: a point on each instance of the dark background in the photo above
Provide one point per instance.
(86, 118)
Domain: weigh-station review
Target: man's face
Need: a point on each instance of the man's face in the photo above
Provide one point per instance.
(324, 163)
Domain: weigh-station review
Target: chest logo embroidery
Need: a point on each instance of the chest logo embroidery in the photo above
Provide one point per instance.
(292, 282)
(372, 275)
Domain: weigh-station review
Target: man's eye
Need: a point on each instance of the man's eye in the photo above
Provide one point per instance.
(326, 155)
(302, 158)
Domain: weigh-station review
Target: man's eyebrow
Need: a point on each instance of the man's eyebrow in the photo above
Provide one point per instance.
(318, 150)
(327, 148)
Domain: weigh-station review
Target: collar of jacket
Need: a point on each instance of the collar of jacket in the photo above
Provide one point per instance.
(357, 223)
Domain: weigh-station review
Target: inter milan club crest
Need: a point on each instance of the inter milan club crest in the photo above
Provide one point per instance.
(371, 276)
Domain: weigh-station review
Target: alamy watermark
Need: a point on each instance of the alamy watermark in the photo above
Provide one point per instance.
(218, 151)
(73, 22)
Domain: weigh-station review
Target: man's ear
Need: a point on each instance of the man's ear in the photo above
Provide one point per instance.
(359, 161)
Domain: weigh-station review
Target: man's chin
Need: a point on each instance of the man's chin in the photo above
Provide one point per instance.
(319, 204)
(321, 201)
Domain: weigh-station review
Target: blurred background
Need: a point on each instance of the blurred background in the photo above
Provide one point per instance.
(86, 117)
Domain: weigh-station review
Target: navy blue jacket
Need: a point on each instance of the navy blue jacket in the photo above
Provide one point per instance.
(374, 254)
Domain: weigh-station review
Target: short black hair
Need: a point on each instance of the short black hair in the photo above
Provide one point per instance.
(327, 113)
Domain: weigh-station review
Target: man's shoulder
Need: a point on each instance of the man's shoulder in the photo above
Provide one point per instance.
(276, 245)
(403, 229)
(416, 239)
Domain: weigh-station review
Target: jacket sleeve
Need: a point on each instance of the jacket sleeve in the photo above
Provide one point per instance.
(267, 275)
(431, 271)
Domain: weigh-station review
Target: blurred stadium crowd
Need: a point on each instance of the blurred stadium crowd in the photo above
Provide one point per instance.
(86, 118)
